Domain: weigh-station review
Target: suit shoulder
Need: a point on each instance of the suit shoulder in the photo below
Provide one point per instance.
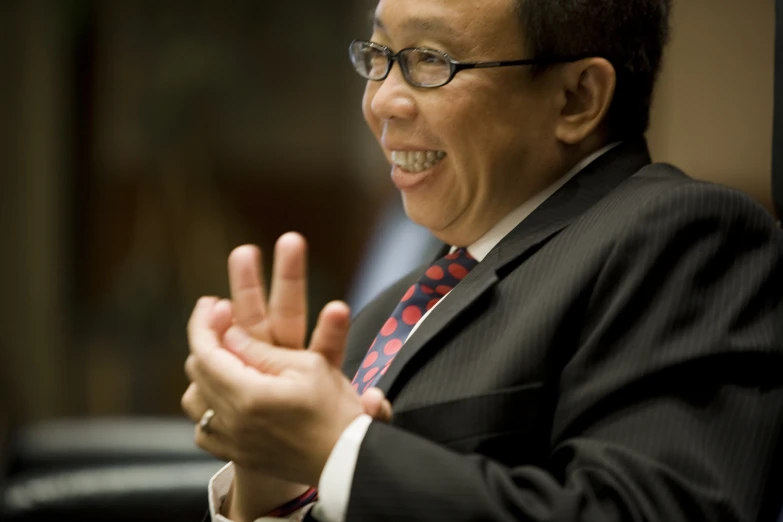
(664, 191)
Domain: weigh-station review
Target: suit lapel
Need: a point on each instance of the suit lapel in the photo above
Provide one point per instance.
(562, 208)
(572, 200)
(476, 283)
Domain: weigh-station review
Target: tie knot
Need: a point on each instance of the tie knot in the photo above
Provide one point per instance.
(461, 254)
(447, 271)
(436, 282)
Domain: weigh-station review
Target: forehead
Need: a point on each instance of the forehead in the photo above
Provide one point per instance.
(467, 22)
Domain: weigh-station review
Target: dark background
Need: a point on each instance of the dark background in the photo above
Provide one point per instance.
(141, 140)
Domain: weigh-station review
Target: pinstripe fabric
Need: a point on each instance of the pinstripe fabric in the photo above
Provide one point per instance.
(618, 356)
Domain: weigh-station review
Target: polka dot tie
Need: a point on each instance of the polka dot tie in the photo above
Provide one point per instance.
(436, 282)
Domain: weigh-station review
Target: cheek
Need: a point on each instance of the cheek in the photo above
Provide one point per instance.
(369, 117)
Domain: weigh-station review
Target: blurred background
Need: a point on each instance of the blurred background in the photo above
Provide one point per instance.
(140, 140)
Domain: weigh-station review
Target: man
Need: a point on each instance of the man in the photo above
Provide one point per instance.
(602, 341)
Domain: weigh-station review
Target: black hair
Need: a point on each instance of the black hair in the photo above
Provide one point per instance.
(631, 34)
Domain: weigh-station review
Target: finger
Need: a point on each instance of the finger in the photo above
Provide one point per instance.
(216, 441)
(205, 390)
(375, 405)
(372, 403)
(331, 332)
(218, 372)
(199, 318)
(221, 317)
(288, 298)
(259, 355)
(386, 411)
(193, 404)
(247, 290)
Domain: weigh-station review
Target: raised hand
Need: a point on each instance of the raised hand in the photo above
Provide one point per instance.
(283, 321)
(281, 416)
(279, 322)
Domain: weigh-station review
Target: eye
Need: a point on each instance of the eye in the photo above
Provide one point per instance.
(374, 61)
(426, 57)
(431, 58)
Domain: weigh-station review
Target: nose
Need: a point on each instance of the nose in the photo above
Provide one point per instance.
(392, 98)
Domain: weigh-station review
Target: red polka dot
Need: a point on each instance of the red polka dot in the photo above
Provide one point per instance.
(370, 359)
(383, 372)
(389, 327)
(432, 303)
(458, 271)
(392, 347)
(427, 290)
(409, 293)
(443, 289)
(435, 272)
(454, 255)
(356, 386)
(411, 315)
(370, 374)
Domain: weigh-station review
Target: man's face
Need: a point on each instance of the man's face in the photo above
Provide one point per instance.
(489, 132)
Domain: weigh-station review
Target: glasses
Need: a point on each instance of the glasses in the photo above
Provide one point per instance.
(423, 67)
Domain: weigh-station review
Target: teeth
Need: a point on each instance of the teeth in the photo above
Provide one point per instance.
(416, 161)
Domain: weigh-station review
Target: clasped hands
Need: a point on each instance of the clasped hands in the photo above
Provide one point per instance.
(280, 409)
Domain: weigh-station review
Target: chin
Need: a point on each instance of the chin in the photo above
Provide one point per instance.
(422, 216)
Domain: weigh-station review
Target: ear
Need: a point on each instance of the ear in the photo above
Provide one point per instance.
(588, 89)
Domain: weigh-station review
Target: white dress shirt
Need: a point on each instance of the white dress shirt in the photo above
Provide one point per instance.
(334, 487)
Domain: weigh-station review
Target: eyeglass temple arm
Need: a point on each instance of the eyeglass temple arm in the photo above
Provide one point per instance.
(458, 66)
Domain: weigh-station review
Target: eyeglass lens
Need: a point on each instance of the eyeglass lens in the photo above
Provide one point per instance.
(421, 67)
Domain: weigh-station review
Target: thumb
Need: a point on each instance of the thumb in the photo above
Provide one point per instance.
(222, 317)
(331, 332)
(375, 405)
(258, 354)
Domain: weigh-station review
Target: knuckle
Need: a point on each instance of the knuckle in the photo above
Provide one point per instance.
(184, 403)
(251, 318)
(193, 316)
(289, 310)
(191, 367)
(246, 406)
(200, 439)
(314, 362)
(188, 396)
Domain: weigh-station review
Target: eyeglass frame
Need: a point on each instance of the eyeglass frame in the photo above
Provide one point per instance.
(455, 66)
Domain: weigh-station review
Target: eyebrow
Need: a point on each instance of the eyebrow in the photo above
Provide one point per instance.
(430, 26)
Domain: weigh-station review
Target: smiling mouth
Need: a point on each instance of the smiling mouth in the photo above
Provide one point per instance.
(416, 161)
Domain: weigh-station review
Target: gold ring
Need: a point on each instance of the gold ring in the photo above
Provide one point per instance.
(203, 424)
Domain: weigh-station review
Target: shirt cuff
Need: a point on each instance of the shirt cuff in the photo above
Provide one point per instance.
(218, 488)
(334, 487)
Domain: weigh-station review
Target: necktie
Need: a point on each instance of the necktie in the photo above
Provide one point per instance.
(435, 283)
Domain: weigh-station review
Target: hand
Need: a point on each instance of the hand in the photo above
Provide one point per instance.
(284, 323)
(286, 319)
(254, 493)
(284, 414)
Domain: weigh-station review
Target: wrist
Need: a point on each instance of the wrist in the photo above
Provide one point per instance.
(254, 494)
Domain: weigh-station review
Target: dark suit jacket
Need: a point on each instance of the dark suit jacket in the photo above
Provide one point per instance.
(618, 356)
